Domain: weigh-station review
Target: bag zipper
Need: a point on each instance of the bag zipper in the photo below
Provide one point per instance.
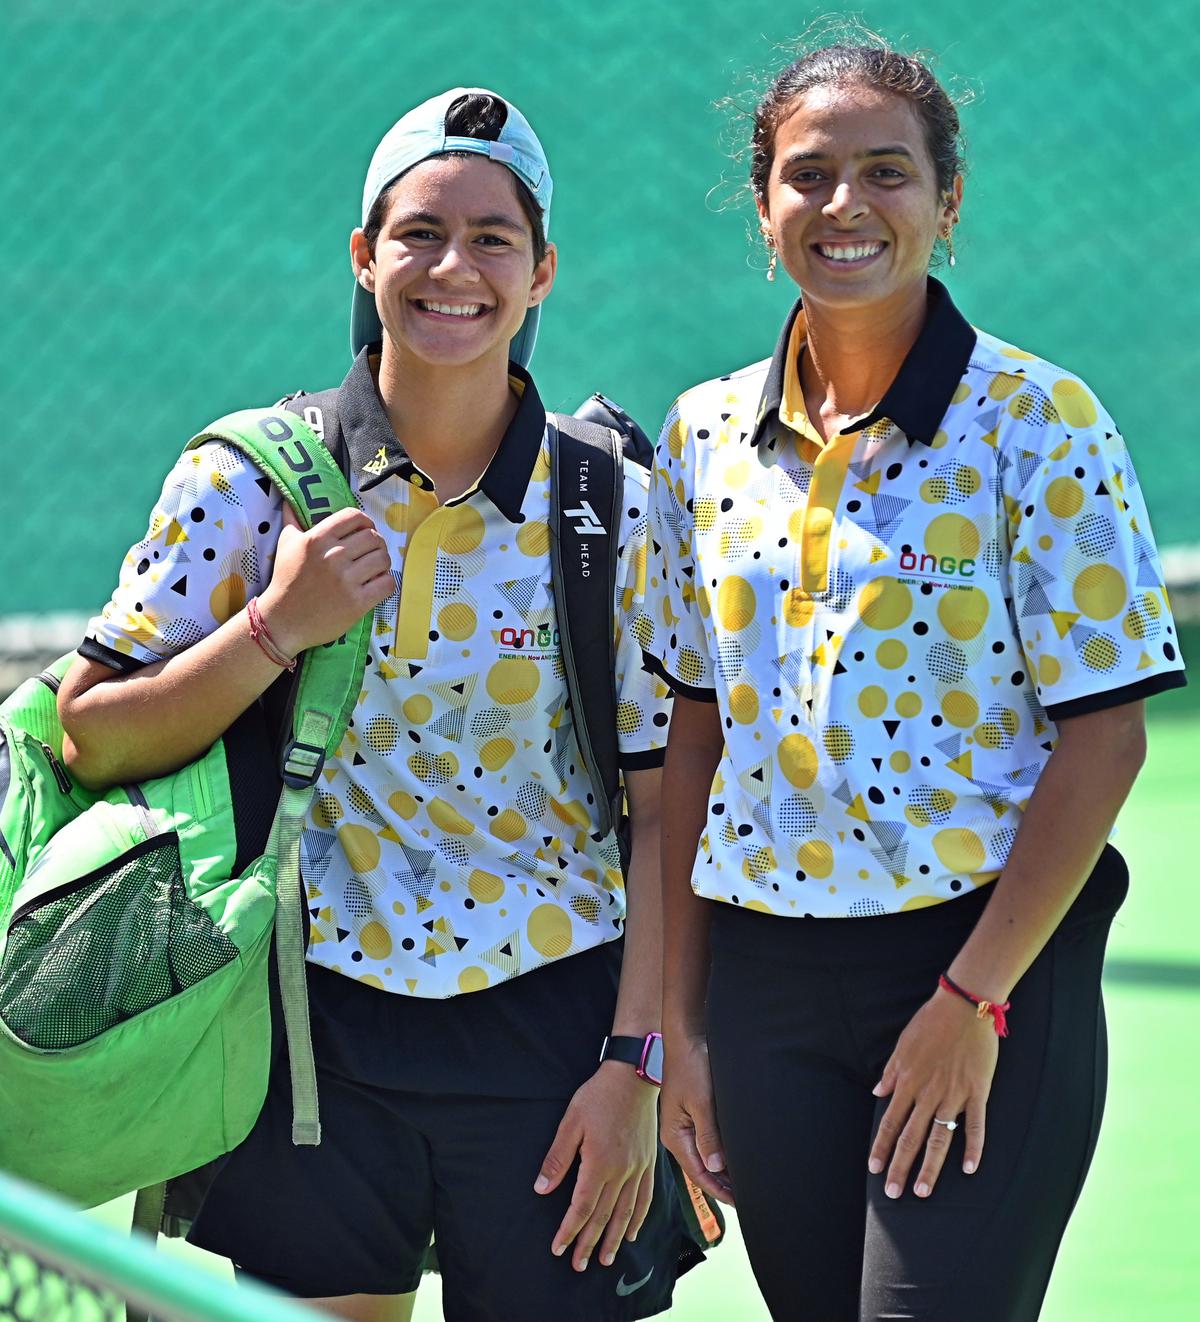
(64, 782)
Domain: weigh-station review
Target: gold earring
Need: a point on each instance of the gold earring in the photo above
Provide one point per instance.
(949, 237)
(771, 263)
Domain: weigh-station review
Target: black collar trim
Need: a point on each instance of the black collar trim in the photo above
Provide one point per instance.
(376, 451)
(918, 398)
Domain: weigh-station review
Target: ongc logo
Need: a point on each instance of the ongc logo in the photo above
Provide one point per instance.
(911, 563)
(519, 638)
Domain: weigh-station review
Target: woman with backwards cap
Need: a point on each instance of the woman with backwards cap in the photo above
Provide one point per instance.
(910, 606)
(465, 965)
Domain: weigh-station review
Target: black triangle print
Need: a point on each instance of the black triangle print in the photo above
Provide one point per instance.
(461, 941)
(1101, 490)
(756, 774)
(460, 689)
(878, 763)
(428, 926)
(830, 635)
(385, 648)
(413, 671)
(359, 760)
(891, 727)
(316, 913)
(506, 949)
(343, 933)
(547, 840)
(264, 484)
(180, 586)
(838, 668)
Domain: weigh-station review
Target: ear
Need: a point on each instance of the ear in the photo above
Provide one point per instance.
(764, 217)
(543, 276)
(361, 262)
(952, 203)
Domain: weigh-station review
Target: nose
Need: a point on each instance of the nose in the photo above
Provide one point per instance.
(847, 203)
(454, 264)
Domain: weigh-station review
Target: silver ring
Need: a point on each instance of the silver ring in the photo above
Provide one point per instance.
(951, 1125)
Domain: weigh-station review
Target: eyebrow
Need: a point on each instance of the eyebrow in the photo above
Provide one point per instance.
(794, 158)
(496, 220)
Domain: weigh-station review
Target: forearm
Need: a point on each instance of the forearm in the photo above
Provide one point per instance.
(135, 726)
(1064, 829)
(639, 997)
(693, 752)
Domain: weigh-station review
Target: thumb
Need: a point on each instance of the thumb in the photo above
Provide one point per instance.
(290, 518)
(708, 1141)
(558, 1160)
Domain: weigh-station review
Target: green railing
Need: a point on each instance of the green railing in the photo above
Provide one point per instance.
(59, 1266)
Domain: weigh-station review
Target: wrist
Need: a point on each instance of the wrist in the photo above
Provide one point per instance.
(275, 617)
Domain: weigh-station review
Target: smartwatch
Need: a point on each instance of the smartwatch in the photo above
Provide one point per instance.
(645, 1054)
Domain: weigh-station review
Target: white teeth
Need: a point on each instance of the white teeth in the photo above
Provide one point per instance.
(453, 309)
(849, 253)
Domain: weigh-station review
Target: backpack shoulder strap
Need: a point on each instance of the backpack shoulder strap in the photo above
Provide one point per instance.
(586, 492)
(287, 450)
(319, 411)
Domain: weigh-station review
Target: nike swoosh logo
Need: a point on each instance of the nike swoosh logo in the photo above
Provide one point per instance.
(623, 1289)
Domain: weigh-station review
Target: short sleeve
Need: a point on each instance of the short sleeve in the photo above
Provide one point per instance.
(209, 548)
(1088, 596)
(643, 700)
(671, 630)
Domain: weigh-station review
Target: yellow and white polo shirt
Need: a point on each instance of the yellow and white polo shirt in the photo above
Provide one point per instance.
(892, 621)
(450, 846)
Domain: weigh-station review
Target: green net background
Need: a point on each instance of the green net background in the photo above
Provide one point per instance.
(179, 181)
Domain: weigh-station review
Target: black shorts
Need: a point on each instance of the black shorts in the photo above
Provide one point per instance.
(398, 1166)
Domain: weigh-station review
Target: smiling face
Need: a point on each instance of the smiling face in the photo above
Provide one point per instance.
(453, 271)
(852, 201)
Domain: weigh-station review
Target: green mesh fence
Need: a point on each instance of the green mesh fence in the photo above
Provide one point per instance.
(180, 181)
(58, 1266)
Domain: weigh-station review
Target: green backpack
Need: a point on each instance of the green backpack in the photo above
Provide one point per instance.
(135, 934)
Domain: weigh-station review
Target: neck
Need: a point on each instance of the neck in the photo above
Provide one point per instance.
(450, 419)
(852, 355)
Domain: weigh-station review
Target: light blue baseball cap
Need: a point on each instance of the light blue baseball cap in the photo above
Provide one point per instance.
(421, 134)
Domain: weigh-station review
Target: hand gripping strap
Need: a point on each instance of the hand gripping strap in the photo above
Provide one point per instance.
(587, 475)
(290, 453)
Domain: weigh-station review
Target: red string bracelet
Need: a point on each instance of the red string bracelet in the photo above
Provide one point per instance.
(262, 636)
(983, 1008)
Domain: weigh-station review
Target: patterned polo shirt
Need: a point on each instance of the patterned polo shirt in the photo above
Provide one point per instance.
(891, 621)
(450, 846)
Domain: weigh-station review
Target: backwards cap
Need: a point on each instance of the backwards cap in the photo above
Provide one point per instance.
(415, 138)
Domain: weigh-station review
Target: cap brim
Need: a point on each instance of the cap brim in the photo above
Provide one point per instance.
(365, 328)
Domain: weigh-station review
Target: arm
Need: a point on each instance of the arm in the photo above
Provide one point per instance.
(611, 1121)
(689, 1127)
(132, 726)
(945, 1058)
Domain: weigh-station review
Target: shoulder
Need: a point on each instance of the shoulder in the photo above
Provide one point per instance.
(1041, 398)
(740, 389)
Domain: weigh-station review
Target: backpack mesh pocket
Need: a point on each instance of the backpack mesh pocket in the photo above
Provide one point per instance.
(109, 946)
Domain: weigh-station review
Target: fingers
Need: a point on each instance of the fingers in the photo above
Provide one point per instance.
(641, 1206)
(891, 1126)
(618, 1223)
(561, 1153)
(680, 1141)
(290, 517)
(585, 1203)
(937, 1146)
(975, 1126)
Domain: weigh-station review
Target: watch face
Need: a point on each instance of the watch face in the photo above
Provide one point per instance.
(652, 1059)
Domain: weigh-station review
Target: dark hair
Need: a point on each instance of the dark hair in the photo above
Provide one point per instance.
(474, 115)
(876, 66)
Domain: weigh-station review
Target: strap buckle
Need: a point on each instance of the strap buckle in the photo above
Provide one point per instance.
(300, 764)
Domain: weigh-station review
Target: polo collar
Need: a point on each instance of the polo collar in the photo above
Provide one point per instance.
(376, 451)
(918, 398)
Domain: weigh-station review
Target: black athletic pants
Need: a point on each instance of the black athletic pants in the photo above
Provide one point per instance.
(803, 1015)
